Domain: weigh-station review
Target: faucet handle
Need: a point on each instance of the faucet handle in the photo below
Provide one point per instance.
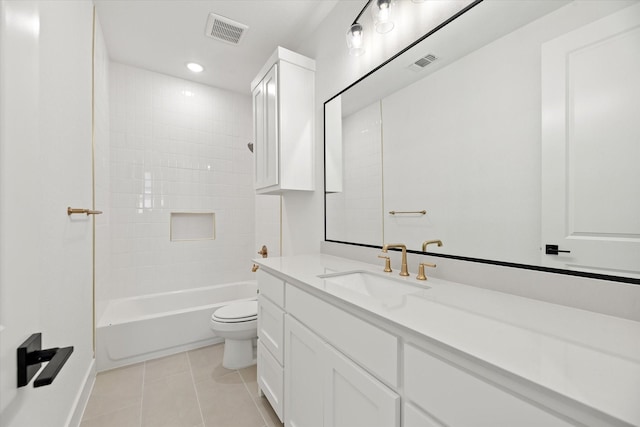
(387, 263)
(421, 275)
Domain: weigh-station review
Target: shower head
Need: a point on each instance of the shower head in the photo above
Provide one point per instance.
(250, 145)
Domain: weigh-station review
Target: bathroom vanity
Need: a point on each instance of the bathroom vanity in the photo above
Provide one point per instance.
(342, 343)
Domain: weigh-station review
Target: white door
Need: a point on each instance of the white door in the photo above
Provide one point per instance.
(354, 398)
(591, 146)
(303, 375)
(45, 166)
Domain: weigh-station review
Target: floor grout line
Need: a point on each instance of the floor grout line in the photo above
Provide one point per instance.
(193, 382)
(144, 372)
(252, 398)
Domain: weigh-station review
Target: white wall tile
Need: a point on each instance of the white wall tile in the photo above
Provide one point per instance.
(171, 152)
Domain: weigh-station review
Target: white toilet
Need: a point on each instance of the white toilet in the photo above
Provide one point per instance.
(237, 323)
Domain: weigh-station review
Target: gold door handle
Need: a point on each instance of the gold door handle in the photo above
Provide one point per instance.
(72, 211)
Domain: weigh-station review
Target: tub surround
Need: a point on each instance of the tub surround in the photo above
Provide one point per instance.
(563, 358)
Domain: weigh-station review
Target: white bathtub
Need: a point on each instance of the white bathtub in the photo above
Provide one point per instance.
(140, 328)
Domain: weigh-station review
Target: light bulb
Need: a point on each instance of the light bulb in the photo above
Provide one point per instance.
(196, 68)
(355, 41)
(381, 10)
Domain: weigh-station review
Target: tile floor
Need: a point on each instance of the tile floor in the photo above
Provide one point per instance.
(189, 389)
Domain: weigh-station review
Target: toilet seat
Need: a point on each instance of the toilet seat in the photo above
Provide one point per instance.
(238, 312)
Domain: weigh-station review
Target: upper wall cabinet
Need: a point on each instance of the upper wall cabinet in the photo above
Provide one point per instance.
(283, 123)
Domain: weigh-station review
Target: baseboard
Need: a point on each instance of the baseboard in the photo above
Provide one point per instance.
(75, 417)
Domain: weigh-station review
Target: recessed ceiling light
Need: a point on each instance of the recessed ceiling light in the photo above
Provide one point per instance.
(196, 68)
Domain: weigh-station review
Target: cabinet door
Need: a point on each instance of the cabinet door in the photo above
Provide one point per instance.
(258, 135)
(304, 353)
(270, 379)
(353, 398)
(266, 150)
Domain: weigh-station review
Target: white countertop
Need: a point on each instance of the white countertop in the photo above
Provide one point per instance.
(589, 357)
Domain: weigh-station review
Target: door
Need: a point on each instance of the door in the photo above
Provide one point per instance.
(265, 127)
(45, 166)
(354, 398)
(303, 375)
(591, 147)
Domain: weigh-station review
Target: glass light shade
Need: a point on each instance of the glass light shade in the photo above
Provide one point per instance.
(382, 11)
(355, 41)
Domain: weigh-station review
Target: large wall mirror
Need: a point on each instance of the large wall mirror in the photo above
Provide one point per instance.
(512, 134)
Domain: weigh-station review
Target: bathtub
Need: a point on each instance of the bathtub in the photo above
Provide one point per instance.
(135, 329)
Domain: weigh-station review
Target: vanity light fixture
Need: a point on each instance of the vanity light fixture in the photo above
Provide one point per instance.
(195, 67)
(382, 11)
(355, 39)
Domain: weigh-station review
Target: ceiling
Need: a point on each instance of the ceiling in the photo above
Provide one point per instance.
(163, 35)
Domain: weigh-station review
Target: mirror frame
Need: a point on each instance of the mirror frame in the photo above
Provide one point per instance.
(607, 277)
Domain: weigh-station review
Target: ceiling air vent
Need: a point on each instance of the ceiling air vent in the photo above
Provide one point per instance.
(225, 29)
(422, 62)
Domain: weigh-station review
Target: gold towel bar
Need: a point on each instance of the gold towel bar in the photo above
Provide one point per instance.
(71, 211)
(422, 212)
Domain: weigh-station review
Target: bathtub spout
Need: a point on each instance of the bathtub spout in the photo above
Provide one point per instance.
(255, 268)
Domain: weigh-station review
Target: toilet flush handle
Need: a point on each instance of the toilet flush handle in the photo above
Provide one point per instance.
(263, 251)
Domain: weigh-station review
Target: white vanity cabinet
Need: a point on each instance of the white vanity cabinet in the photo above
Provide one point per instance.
(283, 123)
(336, 364)
(270, 357)
(326, 389)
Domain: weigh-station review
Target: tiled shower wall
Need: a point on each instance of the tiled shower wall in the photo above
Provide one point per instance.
(177, 146)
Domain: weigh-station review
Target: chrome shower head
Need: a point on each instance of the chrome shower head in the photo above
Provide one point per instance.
(250, 145)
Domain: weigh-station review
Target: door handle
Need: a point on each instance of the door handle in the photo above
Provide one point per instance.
(553, 250)
(31, 356)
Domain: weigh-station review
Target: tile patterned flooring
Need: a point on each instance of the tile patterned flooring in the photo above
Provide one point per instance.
(190, 389)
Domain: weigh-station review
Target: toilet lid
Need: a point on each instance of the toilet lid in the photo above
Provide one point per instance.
(237, 311)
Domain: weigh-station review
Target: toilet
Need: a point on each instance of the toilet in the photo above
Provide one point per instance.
(237, 323)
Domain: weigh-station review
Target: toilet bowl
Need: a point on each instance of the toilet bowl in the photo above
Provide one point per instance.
(237, 323)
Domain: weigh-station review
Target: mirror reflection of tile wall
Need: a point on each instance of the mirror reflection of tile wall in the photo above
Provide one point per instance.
(355, 214)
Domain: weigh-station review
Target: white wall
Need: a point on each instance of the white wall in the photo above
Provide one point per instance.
(177, 146)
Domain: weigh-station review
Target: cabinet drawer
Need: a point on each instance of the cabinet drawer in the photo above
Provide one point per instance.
(271, 287)
(271, 327)
(271, 379)
(369, 346)
(458, 398)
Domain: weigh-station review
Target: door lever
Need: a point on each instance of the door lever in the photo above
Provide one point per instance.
(553, 250)
(31, 356)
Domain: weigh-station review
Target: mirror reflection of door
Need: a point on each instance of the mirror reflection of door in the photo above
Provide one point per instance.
(591, 147)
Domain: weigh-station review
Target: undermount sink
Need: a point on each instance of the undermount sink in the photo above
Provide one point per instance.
(370, 284)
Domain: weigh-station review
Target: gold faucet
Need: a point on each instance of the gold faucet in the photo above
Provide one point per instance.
(255, 268)
(403, 269)
(429, 242)
(387, 263)
(421, 275)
